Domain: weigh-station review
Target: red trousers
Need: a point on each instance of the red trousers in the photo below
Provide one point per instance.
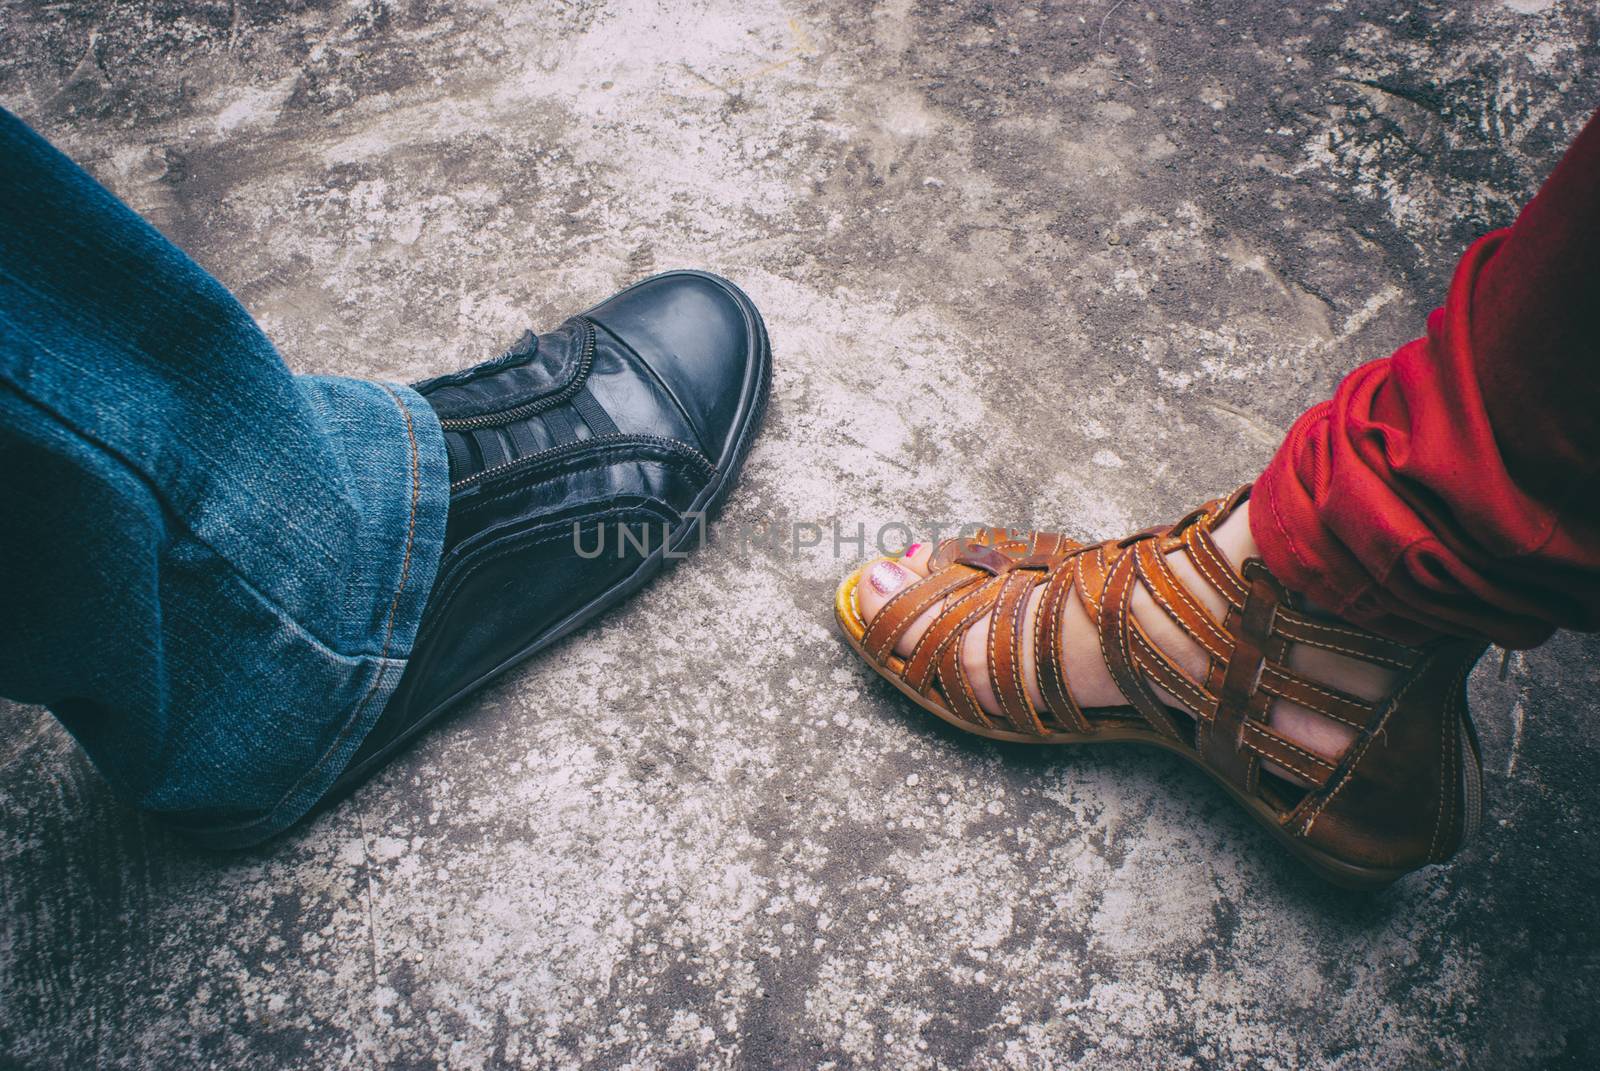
(1451, 487)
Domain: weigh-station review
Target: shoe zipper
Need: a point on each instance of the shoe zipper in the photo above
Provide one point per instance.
(578, 446)
(528, 409)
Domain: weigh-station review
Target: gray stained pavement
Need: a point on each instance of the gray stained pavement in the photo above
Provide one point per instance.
(1074, 265)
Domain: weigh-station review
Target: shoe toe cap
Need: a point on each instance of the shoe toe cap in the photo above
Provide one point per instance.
(701, 337)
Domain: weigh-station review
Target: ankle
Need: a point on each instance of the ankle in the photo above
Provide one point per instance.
(1234, 539)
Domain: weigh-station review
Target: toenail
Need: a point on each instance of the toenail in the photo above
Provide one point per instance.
(886, 578)
(912, 549)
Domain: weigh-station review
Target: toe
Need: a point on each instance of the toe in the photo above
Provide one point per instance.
(916, 558)
(879, 583)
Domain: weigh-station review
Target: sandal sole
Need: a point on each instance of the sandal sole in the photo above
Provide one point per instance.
(1336, 871)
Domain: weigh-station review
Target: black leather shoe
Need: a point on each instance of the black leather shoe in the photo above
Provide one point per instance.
(580, 462)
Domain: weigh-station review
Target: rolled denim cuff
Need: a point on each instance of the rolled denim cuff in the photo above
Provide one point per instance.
(396, 473)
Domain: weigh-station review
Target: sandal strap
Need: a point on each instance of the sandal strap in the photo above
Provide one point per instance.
(1210, 563)
(1343, 639)
(1269, 744)
(993, 576)
(1050, 545)
(910, 603)
(952, 623)
(997, 576)
(1048, 629)
(1117, 628)
(1161, 670)
(1178, 602)
(958, 689)
(1323, 699)
(1247, 652)
(1221, 740)
(1006, 634)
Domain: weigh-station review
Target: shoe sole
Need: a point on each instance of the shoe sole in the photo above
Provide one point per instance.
(1336, 871)
(700, 513)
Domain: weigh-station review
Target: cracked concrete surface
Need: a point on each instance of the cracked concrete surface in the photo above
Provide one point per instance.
(1073, 264)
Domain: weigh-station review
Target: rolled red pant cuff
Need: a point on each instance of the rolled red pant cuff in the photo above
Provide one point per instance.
(1392, 506)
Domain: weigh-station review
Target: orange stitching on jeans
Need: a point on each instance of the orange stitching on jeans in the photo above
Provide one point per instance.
(405, 562)
(388, 635)
(411, 524)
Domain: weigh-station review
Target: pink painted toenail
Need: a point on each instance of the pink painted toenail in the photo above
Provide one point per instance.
(886, 578)
(912, 549)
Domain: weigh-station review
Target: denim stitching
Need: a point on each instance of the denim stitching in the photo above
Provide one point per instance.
(383, 657)
(173, 515)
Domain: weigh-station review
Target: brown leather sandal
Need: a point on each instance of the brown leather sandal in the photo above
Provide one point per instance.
(1406, 792)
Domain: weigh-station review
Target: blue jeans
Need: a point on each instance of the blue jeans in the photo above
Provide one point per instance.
(211, 570)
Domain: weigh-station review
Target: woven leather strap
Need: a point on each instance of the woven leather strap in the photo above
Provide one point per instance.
(990, 578)
(1246, 652)
(1223, 717)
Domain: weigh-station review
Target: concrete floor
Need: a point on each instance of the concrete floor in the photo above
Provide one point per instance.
(1076, 264)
